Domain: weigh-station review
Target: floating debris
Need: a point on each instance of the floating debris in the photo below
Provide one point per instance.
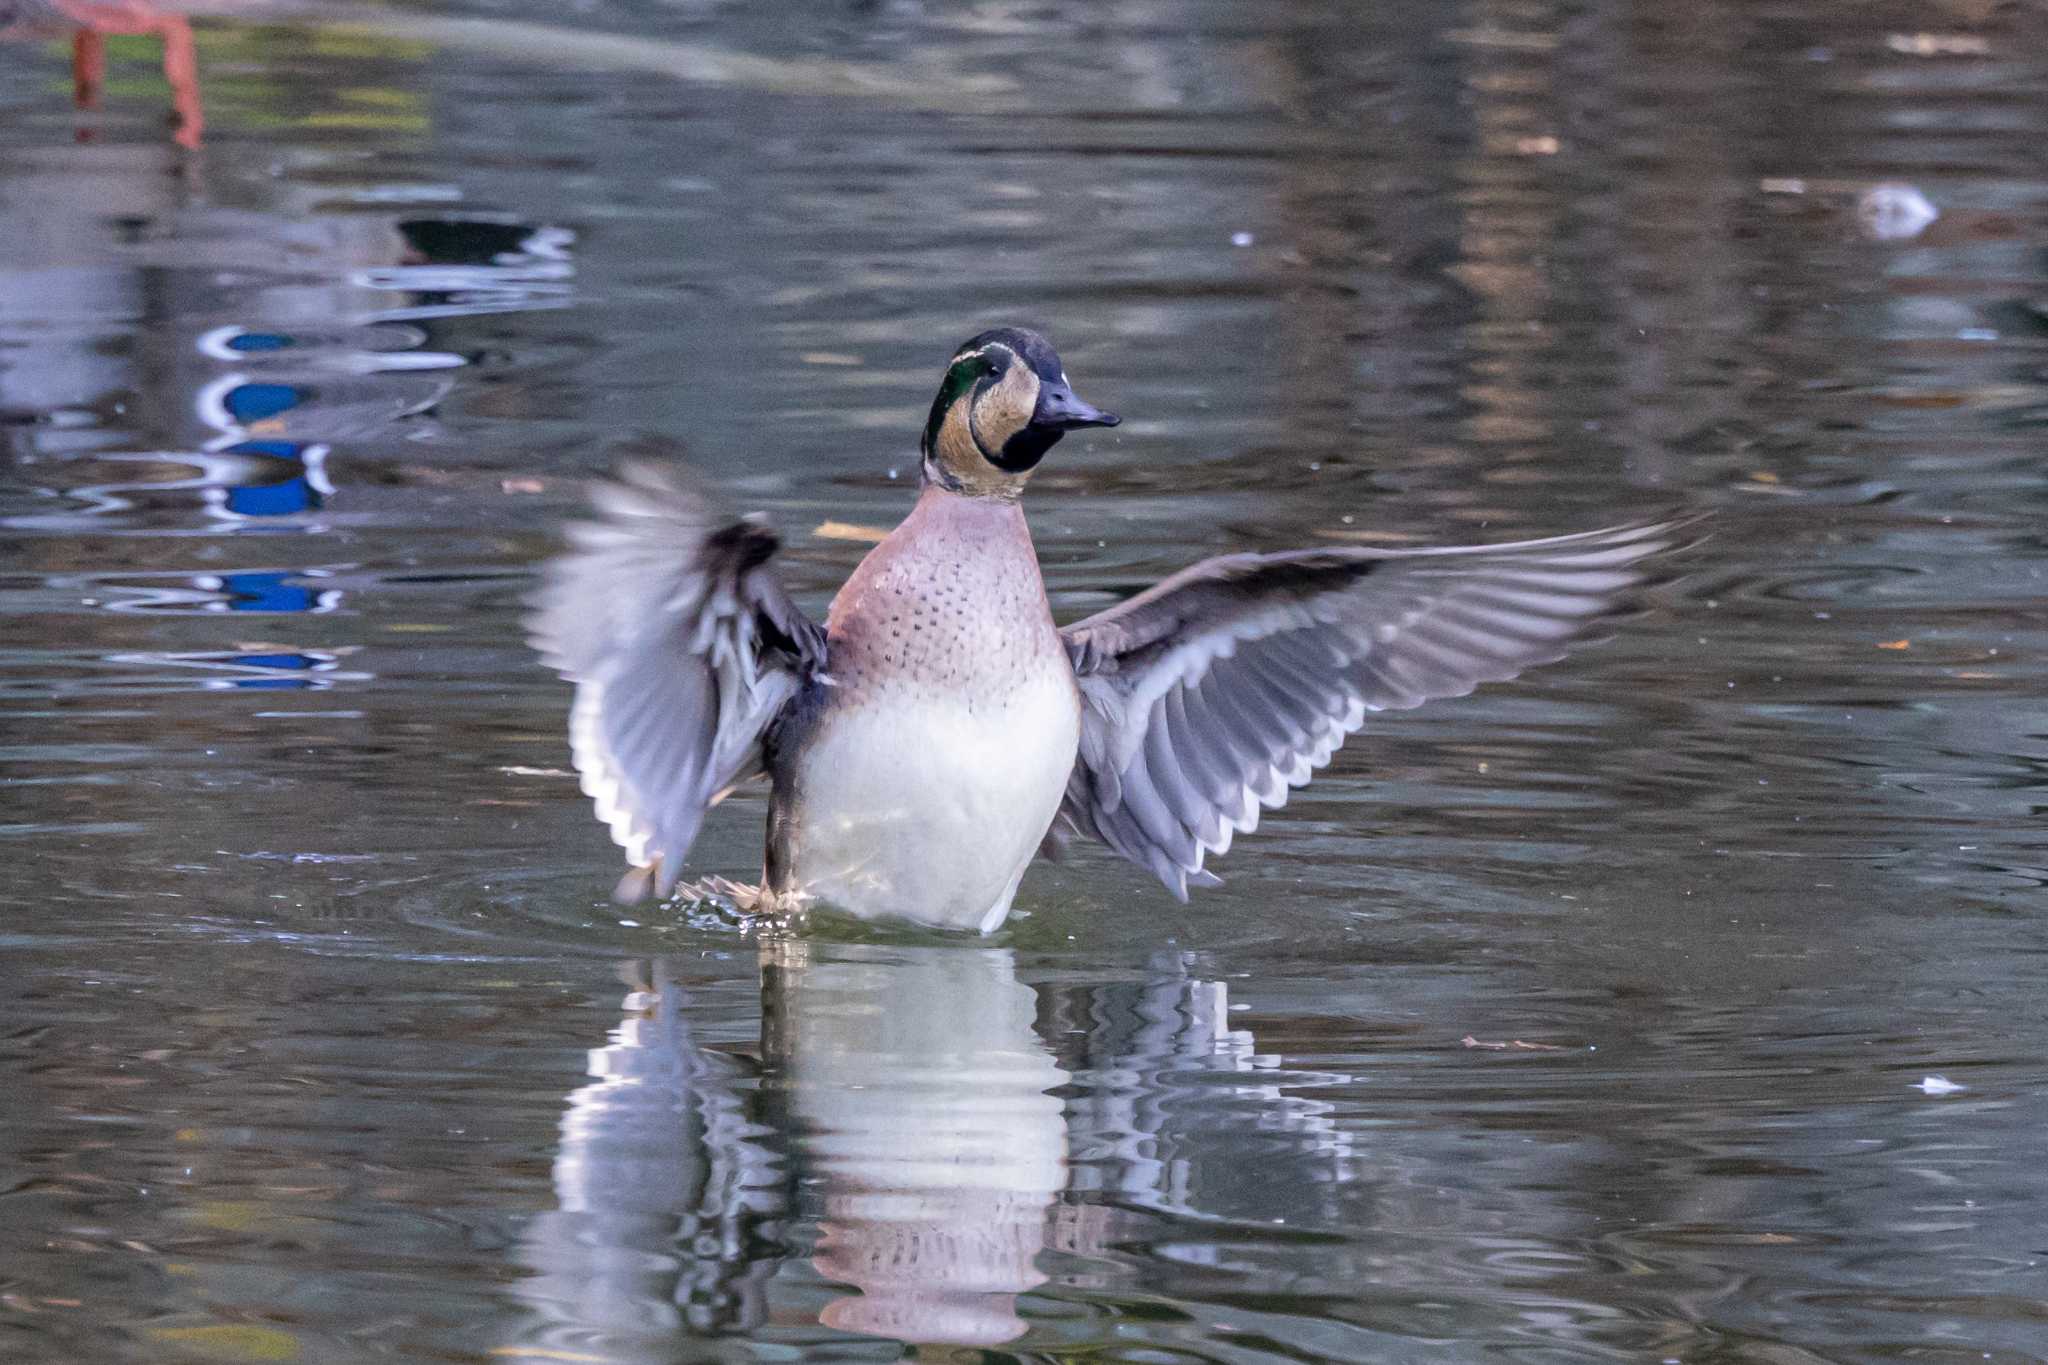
(1893, 211)
(1938, 44)
(1513, 1044)
(846, 530)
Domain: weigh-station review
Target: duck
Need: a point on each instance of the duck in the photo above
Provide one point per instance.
(939, 731)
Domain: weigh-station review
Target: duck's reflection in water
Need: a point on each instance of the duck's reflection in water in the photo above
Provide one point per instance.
(903, 1114)
(668, 1195)
(919, 1098)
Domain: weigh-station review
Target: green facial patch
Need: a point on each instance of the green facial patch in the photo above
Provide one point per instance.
(960, 377)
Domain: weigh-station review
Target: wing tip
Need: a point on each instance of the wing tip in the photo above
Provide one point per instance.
(638, 883)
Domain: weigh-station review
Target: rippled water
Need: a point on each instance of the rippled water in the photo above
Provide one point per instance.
(1586, 1018)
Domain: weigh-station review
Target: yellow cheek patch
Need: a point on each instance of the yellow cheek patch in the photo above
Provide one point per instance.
(955, 444)
(1005, 408)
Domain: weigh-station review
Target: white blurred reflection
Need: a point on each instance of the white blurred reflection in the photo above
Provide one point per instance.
(667, 1194)
(918, 1092)
(902, 1127)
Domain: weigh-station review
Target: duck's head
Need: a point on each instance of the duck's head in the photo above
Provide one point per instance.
(1004, 402)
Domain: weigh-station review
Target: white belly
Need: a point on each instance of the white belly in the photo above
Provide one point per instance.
(929, 808)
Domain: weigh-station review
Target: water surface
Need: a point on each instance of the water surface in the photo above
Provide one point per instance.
(1585, 1018)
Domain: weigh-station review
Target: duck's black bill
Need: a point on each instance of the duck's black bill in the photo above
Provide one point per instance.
(1061, 410)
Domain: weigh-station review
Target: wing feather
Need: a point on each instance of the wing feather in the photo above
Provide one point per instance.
(683, 647)
(1215, 693)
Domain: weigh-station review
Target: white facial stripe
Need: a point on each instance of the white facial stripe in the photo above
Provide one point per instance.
(982, 350)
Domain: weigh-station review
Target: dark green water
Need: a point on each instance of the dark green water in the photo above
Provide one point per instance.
(320, 1042)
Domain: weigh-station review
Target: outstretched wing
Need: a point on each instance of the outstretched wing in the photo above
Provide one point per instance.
(670, 619)
(1215, 692)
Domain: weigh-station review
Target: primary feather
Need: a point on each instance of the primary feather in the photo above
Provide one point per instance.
(1211, 695)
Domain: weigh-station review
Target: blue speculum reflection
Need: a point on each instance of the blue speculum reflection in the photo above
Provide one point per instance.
(287, 671)
(263, 463)
(294, 491)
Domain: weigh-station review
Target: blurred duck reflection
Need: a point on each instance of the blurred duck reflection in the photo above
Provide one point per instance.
(201, 426)
(668, 1195)
(918, 1094)
(904, 1110)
